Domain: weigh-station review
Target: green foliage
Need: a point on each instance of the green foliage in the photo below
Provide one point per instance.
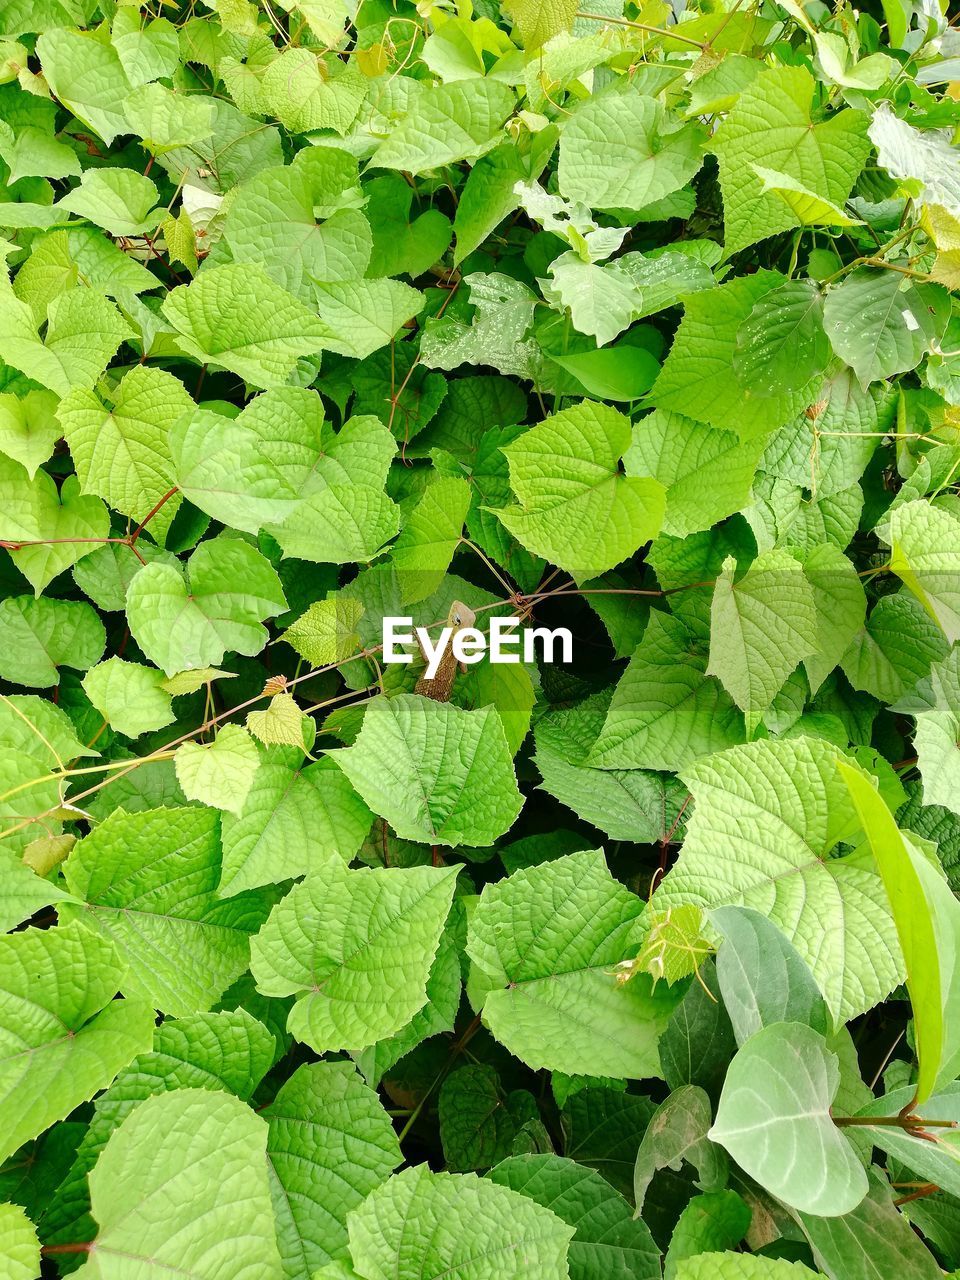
(223, 1164)
(785, 1136)
(546, 941)
(454, 1214)
(332, 941)
(641, 962)
(434, 772)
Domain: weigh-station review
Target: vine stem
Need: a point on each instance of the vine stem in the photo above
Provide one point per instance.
(875, 260)
(149, 516)
(644, 26)
(76, 773)
(458, 1048)
(465, 542)
(129, 541)
(895, 1122)
(928, 1189)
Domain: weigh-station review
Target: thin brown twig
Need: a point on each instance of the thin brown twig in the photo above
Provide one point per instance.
(928, 1189)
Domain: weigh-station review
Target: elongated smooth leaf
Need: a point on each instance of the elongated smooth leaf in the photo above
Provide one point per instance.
(677, 1133)
(871, 1241)
(784, 1135)
(928, 924)
(761, 977)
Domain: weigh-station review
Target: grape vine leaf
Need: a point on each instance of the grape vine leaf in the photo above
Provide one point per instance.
(84, 331)
(451, 122)
(762, 626)
(122, 453)
(38, 636)
(147, 881)
(707, 473)
(465, 1227)
(539, 20)
(547, 941)
(184, 1213)
(925, 552)
(62, 1035)
(293, 818)
(229, 1051)
(436, 773)
(666, 711)
(620, 150)
(119, 200)
(479, 1120)
(574, 506)
(771, 125)
(755, 839)
(186, 621)
(607, 1237)
(87, 76)
(738, 1266)
(699, 377)
(221, 772)
(237, 317)
(330, 1144)
(55, 528)
(129, 696)
(29, 428)
(19, 1246)
(355, 948)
